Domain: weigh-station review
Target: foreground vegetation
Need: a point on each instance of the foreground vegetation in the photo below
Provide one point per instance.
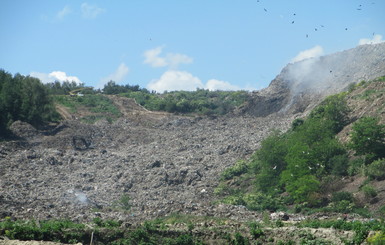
(302, 168)
(186, 230)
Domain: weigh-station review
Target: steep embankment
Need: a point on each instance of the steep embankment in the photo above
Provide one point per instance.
(165, 164)
(302, 85)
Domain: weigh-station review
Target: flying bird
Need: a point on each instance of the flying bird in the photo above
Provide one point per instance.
(315, 29)
(265, 10)
(307, 35)
(275, 167)
(292, 22)
(346, 29)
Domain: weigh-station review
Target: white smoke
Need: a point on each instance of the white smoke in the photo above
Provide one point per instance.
(81, 197)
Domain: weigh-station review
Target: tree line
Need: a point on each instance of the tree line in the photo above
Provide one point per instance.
(24, 98)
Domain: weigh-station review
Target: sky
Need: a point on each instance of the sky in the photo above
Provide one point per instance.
(167, 45)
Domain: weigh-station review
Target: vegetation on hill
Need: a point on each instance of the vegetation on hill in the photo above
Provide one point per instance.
(201, 101)
(24, 98)
(298, 168)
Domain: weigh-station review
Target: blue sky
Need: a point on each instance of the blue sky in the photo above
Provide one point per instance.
(179, 44)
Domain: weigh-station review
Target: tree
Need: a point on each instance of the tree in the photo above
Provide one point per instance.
(269, 162)
(24, 98)
(303, 189)
(333, 109)
(368, 138)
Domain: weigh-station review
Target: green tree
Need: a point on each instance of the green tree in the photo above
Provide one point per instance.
(368, 138)
(333, 109)
(303, 189)
(24, 98)
(269, 162)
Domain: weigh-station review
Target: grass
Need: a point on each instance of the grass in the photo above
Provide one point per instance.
(167, 230)
(93, 107)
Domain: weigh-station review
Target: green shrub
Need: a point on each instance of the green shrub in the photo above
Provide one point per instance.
(376, 170)
(378, 238)
(342, 196)
(239, 168)
(255, 230)
(260, 202)
(356, 167)
(369, 191)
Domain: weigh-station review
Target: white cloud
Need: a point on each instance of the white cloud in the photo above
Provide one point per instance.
(376, 39)
(175, 80)
(117, 76)
(63, 13)
(90, 11)
(153, 58)
(309, 53)
(60, 76)
(214, 84)
(175, 59)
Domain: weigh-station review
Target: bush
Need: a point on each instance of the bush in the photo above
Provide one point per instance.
(342, 196)
(261, 202)
(356, 166)
(376, 170)
(239, 168)
(369, 191)
(378, 238)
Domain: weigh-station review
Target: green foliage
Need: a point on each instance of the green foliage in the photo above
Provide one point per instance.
(342, 196)
(269, 162)
(112, 88)
(255, 230)
(97, 105)
(260, 202)
(333, 109)
(239, 239)
(123, 203)
(376, 170)
(63, 88)
(26, 99)
(303, 189)
(106, 223)
(296, 161)
(377, 239)
(357, 167)
(59, 230)
(200, 101)
(368, 138)
(369, 191)
(239, 168)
